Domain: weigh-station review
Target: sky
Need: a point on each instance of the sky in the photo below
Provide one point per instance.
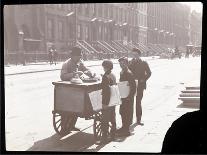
(198, 6)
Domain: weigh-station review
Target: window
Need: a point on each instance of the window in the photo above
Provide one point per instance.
(87, 9)
(105, 11)
(117, 13)
(79, 31)
(93, 9)
(50, 28)
(86, 32)
(59, 6)
(114, 13)
(100, 10)
(60, 30)
(69, 7)
(111, 12)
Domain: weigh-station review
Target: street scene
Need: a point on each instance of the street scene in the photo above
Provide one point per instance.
(64, 65)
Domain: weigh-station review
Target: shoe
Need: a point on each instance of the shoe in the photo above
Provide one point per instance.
(75, 129)
(120, 130)
(124, 134)
(103, 141)
(139, 123)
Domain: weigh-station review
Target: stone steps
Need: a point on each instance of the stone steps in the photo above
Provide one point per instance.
(190, 96)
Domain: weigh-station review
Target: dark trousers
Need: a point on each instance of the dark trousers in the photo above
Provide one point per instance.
(126, 112)
(68, 121)
(109, 115)
(138, 103)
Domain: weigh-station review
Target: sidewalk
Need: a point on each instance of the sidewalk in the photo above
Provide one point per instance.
(45, 66)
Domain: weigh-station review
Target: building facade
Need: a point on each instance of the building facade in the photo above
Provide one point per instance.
(37, 27)
(195, 28)
(168, 23)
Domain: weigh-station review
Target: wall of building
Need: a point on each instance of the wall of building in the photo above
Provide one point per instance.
(168, 23)
(157, 23)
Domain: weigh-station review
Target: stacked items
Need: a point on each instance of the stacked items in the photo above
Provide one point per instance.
(191, 96)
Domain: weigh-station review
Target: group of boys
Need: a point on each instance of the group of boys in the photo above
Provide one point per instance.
(136, 69)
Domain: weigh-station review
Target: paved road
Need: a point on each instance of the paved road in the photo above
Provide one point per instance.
(29, 103)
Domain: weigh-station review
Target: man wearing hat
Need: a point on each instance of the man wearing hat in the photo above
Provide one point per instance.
(70, 68)
(141, 72)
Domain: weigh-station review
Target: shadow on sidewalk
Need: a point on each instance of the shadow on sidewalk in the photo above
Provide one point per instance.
(79, 142)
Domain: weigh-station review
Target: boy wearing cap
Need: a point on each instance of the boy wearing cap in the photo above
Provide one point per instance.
(141, 72)
(126, 108)
(108, 114)
(70, 68)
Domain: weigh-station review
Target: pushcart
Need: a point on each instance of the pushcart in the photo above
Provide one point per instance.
(73, 100)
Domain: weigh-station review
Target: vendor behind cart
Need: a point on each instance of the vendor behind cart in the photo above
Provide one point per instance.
(72, 67)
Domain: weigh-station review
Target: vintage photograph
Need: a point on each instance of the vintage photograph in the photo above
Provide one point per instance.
(100, 77)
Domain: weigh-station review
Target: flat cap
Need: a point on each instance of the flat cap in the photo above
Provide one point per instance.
(136, 50)
(123, 59)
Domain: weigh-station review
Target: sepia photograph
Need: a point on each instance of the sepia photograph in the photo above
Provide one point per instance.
(102, 77)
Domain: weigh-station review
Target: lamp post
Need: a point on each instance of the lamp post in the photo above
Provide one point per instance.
(21, 47)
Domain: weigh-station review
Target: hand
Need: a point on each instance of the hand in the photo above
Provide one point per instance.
(142, 81)
(79, 73)
(88, 73)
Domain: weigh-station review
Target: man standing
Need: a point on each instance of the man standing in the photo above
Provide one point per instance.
(70, 68)
(50, 55)
(141, 72)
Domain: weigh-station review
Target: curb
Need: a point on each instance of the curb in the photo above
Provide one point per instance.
(46, 70)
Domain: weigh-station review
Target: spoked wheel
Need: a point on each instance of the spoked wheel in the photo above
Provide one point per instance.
(62, 123)
(98, 127)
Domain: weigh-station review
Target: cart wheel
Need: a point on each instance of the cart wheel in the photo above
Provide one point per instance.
(97, 127)
(61, 123)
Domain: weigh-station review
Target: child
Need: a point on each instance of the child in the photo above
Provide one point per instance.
(108, 113)
(126, 108)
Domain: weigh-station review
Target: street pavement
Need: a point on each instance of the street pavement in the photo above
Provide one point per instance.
(29, 102)
(45, 66)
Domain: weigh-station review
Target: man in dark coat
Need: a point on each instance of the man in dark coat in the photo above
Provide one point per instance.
(141, 72)
(70, 68)
(126, 108)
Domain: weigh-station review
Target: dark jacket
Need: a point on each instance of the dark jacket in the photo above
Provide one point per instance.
(128, 76)
(141, 71)
(108, 80)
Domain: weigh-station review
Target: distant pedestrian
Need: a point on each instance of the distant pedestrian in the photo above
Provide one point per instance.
(108, 114)
(126, 108)
(50, 56)
(141, 72)
(55, 56)
(177, 52)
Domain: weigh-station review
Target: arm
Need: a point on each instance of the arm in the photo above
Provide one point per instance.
(105, 91)
(64, 75)
(86, 71)
(132, 85)
(147, 71)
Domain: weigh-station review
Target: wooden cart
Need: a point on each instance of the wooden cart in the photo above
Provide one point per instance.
(73, 100)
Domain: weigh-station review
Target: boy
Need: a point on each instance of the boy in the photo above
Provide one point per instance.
(126, 108)
(108, 113)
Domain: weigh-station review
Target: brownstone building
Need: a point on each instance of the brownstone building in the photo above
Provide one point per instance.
(196, 28)
(168, 23)
(98, 28)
